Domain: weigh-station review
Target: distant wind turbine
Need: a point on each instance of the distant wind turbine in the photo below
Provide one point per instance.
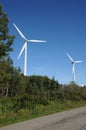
(73, 62)
(24, 48)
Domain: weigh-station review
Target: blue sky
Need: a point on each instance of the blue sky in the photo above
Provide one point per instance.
(62, 23)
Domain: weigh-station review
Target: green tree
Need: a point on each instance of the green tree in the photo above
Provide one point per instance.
(6, 64)
(6, 39)
(6, 68)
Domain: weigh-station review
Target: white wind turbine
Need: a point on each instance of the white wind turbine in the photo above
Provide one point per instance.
(24, 48)
(73, 62)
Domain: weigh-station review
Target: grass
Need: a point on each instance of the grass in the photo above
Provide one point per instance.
(38, 111)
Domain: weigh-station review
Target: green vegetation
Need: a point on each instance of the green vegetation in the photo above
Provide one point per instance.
(28, 97)
(9, 116)
(36, 96)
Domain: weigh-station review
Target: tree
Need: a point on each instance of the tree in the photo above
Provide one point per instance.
(6, 71)
(6, 40)
(6, 64)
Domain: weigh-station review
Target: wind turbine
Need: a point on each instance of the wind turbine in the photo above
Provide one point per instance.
(24, 48)
(73, 62)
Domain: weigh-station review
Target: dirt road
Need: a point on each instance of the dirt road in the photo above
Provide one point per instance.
(69, 120)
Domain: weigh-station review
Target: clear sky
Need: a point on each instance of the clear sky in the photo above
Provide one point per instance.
(62, 23)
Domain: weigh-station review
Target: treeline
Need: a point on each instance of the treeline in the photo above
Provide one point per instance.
(24, 92)
(27, 92)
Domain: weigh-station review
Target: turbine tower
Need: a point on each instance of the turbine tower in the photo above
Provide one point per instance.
(24, 48)
(73, 62)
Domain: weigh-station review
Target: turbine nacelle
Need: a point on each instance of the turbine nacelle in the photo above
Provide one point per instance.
(72, 62)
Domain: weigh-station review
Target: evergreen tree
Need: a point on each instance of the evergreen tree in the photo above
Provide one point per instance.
(6, 64)
(6, 40)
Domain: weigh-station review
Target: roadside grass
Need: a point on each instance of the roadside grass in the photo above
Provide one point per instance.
(38, 111)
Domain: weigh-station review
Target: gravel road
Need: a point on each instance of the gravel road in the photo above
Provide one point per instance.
(68, 120)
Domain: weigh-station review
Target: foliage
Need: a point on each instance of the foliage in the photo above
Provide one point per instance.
(41, 88)
(38, 110)
(6, 40)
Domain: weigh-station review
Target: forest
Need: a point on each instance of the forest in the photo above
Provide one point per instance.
(33, 94)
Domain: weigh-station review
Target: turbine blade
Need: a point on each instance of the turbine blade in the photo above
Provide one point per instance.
(21, 34)
(70, 57)
(36, 41)
(21, 51)
(78, 61)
